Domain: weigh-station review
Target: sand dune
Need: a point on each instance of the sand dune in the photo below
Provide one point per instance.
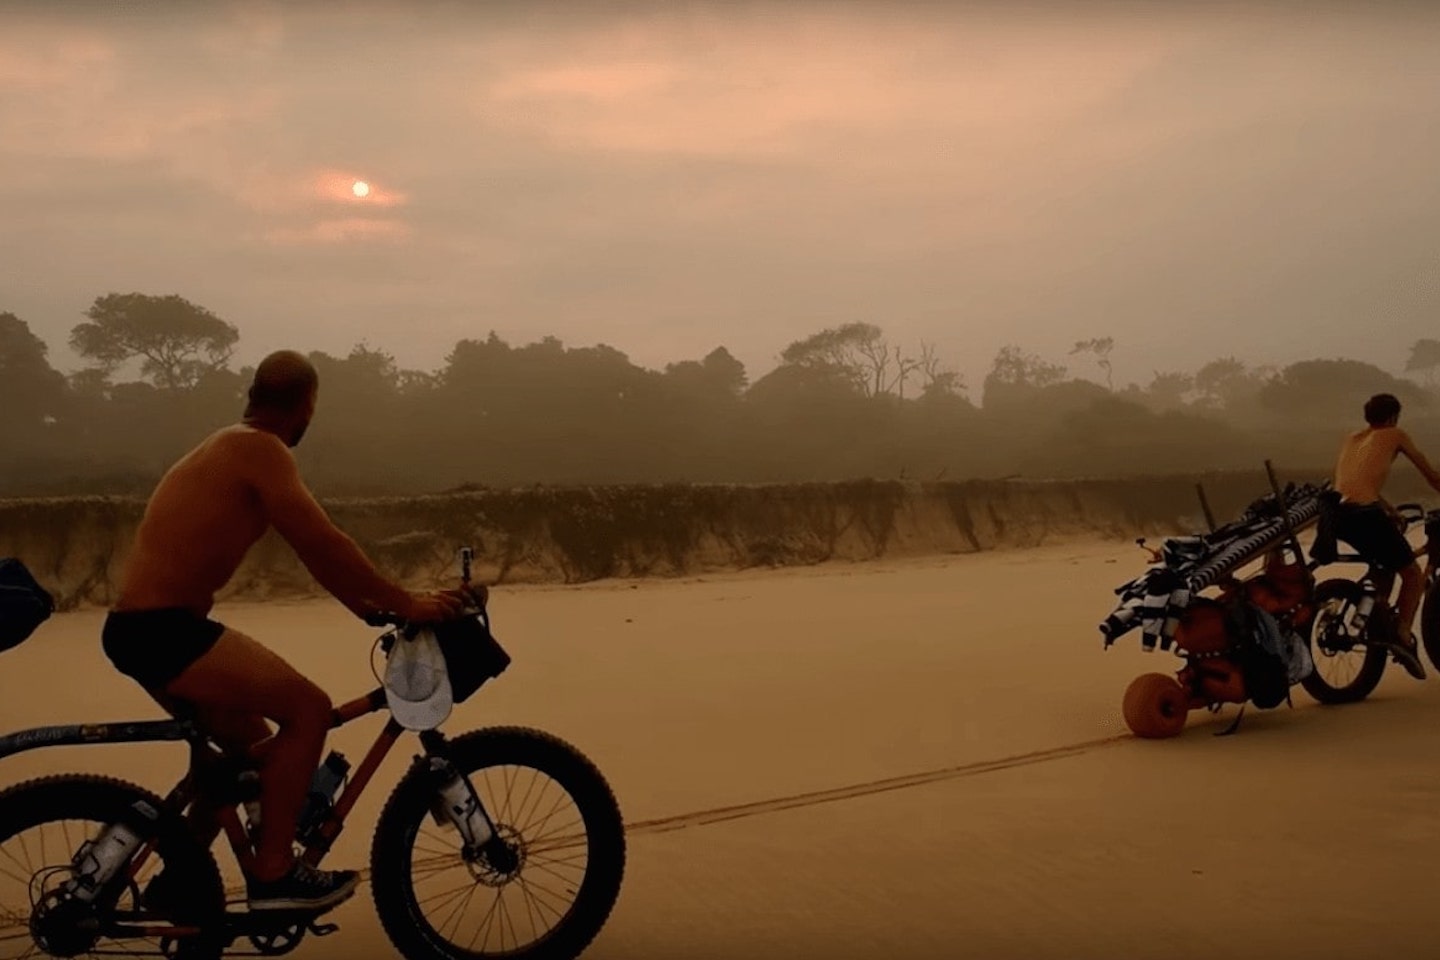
(903, 758)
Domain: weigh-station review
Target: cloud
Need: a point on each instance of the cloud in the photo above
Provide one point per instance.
(341, 230)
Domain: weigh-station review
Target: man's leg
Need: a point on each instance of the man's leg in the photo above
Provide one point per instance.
(237, 732)
(1412, 585)
(1381, 544)
(239, 676)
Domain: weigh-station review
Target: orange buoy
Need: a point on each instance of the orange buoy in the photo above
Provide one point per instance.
(1156, 706)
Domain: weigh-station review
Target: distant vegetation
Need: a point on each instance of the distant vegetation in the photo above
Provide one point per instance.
(844, 403)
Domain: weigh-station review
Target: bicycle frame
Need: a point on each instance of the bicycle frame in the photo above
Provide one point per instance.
(209, 765)
(191, 789)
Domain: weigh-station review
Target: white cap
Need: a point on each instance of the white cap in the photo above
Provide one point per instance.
(417, 685)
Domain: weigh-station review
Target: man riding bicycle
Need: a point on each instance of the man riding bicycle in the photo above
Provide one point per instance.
(202, 518)
(1369, 524)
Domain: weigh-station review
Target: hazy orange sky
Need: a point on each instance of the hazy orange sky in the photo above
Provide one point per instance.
(1192, 180)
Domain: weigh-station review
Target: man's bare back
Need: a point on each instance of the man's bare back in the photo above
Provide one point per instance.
(208, 500)
(1364, 463)
(1366, 457)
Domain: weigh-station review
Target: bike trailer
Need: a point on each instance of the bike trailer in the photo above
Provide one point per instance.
(24, 604)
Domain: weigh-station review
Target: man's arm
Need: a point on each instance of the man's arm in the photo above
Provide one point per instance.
(1407, 447)
(331, 556)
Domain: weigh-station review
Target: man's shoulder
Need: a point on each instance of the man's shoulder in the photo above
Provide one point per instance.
(1395, 435)
(241, 436)
(253, 449)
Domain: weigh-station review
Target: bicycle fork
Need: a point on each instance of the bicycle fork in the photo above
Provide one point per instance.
(456, 803)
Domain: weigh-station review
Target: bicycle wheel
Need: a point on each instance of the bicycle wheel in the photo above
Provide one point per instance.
(1346, 669)
(45, 823)
(566, 855)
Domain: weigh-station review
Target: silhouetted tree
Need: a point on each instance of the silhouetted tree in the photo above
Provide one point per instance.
(1100, 348)
(936, 379)
(1227, 384)
(32, 393)
(175, 340)
(1168, 391)
(1333, 391)
(1425, 359)
(1015, 374)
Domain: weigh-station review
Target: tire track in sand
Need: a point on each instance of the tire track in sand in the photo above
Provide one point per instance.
(714, 815)
(703, 818)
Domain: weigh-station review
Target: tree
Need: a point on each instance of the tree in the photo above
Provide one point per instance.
(718, 374)
(849, 351)
(1100, 347)
(176, 341)
(1424, 356)
(1333, 390)
(936, 379)
(1220, 382)
(1016, 373)
(1169, 390)
(30, 389)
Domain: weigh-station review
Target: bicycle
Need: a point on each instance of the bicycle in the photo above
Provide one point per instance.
(1355, 616)
(99, 896)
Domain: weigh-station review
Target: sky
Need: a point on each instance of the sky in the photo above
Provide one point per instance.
(1192, 180)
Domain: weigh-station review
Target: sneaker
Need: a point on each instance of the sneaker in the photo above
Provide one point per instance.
(1407, 654)
(303, 888)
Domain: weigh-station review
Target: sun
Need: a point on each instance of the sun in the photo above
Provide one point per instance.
(360, 188)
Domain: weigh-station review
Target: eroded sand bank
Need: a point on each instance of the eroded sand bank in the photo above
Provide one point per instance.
(1310, 834)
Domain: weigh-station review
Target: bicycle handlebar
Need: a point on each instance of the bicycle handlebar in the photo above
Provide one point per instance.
(477, 597)
(385, 618)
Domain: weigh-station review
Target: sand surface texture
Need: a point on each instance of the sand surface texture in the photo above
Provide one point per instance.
(927, 757)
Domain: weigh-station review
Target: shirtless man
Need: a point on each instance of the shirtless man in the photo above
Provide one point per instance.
(1368, 523)
(202, 518)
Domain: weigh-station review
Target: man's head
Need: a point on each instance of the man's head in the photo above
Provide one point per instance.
(282, 395)
(1382, 410)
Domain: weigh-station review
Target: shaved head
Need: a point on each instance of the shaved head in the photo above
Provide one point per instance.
(283, 383)
(282, 395)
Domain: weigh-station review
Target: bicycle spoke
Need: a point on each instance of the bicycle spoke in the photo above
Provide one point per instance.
(459, 910)
(525, 800)
(540, 904)
(536, 838)
(485, 924)
(523, 824)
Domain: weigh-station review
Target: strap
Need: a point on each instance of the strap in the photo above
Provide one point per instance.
(1235, 725)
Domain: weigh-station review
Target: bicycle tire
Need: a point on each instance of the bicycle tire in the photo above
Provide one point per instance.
(1372, 667)
(105, 800)
(396, 832)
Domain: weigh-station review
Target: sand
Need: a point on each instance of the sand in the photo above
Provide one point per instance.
(1027, 823)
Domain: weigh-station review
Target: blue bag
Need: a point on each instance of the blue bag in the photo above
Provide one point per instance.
(24, 604)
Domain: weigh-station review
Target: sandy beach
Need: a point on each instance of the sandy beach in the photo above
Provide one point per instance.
(927, 757)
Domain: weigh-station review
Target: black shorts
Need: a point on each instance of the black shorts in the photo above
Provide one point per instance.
(153, 647)
(1373, 534)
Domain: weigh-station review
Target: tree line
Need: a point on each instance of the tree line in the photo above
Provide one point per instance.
(843, 403)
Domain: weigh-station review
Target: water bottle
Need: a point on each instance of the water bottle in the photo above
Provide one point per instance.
(98, 861)
(1362, 612)
(327, 780)
(461, 805)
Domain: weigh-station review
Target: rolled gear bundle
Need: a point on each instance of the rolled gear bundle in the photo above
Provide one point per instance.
(1157, 599)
